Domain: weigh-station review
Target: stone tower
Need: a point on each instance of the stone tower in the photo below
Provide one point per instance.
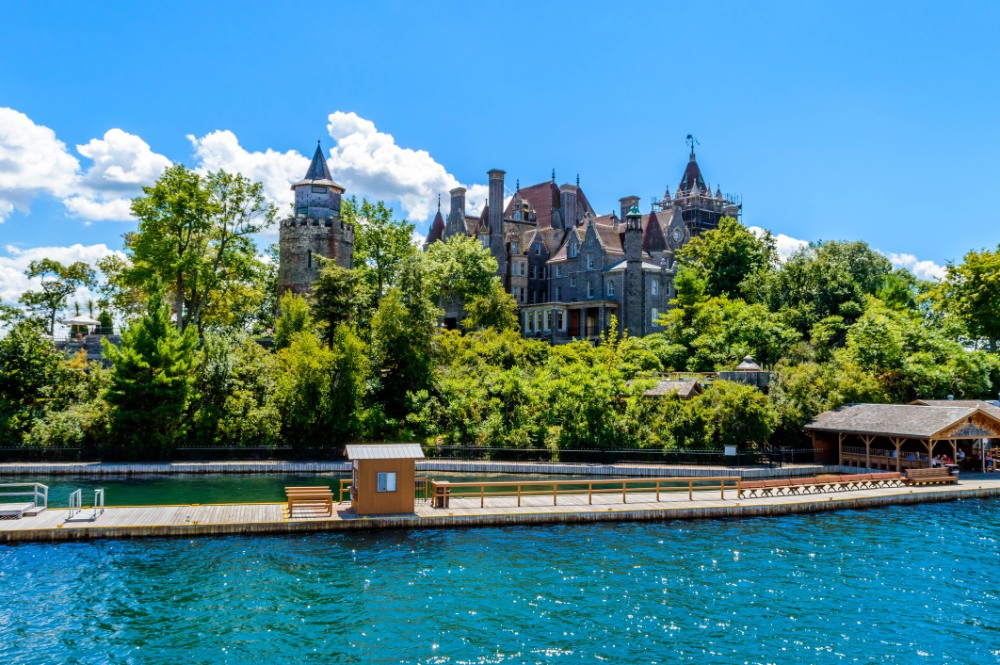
(634, 300)
(498, 244)
(315, 230)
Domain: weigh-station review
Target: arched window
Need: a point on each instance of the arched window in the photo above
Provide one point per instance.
(309, 259)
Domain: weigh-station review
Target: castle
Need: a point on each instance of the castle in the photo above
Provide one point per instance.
(314, 230)
(569, 269)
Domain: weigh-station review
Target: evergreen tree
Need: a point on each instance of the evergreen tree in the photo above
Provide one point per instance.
(150, 383)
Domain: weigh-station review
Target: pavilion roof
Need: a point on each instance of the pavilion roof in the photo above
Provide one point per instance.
(902, 420)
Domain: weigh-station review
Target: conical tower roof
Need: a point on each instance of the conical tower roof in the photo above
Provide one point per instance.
(437, 229)
(692, 177)
(319, 172)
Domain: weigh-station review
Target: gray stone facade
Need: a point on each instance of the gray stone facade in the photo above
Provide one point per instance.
(314, 231)
(569, 270)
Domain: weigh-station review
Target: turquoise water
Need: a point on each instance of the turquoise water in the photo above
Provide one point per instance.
(180, 489)
(897, 585)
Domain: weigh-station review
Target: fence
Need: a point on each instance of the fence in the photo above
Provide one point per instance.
(773, 457)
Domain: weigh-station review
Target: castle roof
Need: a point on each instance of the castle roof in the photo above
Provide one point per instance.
(653, 239)
(437, 229)
(544, 198)
(319, 172)
(692, 176)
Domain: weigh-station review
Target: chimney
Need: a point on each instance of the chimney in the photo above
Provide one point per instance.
(568, 205)
(497, 245)
(626, 204)
(456, 215)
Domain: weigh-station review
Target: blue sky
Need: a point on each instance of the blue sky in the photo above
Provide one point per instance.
(848, 120)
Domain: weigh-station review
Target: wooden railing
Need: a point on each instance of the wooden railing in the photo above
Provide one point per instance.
(443, 491)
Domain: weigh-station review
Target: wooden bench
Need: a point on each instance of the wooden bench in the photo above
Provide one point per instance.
(818, 485)
(932, 476)
(309, 497)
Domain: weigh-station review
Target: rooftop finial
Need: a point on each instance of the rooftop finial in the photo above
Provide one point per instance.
(439, 201)
(577, 180)
(692, 141)
(518, 181)
(553, 175)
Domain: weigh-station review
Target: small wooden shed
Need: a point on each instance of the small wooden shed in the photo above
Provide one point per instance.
(383, 477)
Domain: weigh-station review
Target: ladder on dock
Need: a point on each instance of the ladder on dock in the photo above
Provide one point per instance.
(76, 506)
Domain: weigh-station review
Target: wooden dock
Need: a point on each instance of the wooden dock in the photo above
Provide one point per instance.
(267, 518)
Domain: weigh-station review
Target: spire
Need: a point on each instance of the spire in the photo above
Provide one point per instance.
(692, 178)
(437, 227)
(318, 169)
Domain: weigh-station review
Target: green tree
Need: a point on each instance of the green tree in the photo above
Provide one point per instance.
(496, 309)
(727, 255)
(295, 318)
(195, 235)
(333, 298)
(971, 292)
(458, 270)
(381, 244)
(151, 382)
(58, 282)
(31, 372)
(826, 279)
(402, 330)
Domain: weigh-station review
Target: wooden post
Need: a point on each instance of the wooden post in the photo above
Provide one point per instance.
(722, 489)
(519, 495)
(690, 490)
(657, 491)
(590, 493)
(868, 450)
(954, 450)
(555, 494)
(624, 498)
(482, 496)
(898, 442)
(840, 448)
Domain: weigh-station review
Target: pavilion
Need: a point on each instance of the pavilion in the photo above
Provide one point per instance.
(901, 436)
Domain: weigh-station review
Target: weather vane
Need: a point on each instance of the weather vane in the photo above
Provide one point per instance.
(692, 141)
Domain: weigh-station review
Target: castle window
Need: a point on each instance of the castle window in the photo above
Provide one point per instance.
(654, 287)
(318, 189)
(302, 211)
(611, 287)
(572, 280)
(485, 239)
(517, 216)
(559, 271)
(590, 289)
(573, 250)
(513, 247)
(558, 293)
(655, 316)
(309, 259)
(590, 260)
(561, 320)
(538, 249)
(548, 319)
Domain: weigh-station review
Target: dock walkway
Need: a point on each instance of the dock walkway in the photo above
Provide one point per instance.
(202, 520)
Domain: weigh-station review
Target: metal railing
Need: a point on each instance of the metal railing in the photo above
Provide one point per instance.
(39, 493)
(75, 503)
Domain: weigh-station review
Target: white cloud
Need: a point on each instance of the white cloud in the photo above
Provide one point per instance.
(13, 281)
(370, 163)
(785, 245)
(33, 162)
(921, 269)
(277, 171)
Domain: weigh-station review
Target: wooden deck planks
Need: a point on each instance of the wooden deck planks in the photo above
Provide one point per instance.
(271, 518)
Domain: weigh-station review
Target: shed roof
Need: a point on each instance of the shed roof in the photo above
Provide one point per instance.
(384, 451)
(906, 420)
(969, 403)
(685, 388)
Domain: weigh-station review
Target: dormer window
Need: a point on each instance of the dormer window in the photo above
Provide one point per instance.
(538, 249)
(590, 260)
(573, 250)
(513, 247)
(611, 287)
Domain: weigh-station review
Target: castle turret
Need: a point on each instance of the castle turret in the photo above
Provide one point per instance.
(634, 300)
(315, 230)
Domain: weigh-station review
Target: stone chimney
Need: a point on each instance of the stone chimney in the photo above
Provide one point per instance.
(497, 245)
(456, 214)
(568, 205)
(626, 204)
